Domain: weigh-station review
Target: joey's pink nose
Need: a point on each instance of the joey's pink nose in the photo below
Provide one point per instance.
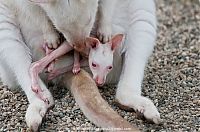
(99, 81)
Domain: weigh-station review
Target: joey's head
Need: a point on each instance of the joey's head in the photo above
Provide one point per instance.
(73, 18)
(101, 57)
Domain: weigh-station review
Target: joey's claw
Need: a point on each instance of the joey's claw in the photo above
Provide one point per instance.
(76, 69)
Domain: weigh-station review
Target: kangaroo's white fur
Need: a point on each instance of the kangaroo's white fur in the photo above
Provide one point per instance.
(73, 18)
(104, 20)
(32, 14)
(135, 18)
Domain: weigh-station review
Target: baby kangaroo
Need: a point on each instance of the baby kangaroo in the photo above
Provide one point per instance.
(100, 60)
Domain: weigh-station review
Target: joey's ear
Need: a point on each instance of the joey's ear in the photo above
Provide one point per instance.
(116, 41)
(41, 1)
(92, 43)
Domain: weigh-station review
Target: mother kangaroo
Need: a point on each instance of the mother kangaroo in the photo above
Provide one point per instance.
(134, 18)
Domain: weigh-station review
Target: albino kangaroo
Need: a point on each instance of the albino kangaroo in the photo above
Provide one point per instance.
(100, 59)
(135, 18)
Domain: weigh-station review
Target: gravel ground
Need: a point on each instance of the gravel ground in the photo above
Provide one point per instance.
(172, 80)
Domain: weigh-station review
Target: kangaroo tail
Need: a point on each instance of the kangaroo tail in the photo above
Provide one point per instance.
(95, 108)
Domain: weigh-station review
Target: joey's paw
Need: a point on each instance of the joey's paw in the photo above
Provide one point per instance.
(52, 40)
(76, 69)
(34, 114)
(104, 33)
(143, 106)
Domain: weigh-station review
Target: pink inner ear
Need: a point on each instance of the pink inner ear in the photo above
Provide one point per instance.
(116, 41)
(92, 42)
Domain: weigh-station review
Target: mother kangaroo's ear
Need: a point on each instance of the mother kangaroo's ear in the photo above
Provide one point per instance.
(116, 41)
(42, 1)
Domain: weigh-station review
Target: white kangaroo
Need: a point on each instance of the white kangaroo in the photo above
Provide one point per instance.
(134, 18)
(100, 59)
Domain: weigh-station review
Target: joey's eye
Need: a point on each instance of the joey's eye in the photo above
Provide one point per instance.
(110, 67)
(94, 65)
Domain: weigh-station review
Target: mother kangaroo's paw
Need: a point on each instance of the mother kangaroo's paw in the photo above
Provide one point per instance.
(52, 40)
(142, 105)
(104, 32)
(146, 107)
(35, 113)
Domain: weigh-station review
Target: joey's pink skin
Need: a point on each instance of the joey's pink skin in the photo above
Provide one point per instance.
(38, 66)
(50, 67)
(76, 68)
(48, 62)
(47, 50)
